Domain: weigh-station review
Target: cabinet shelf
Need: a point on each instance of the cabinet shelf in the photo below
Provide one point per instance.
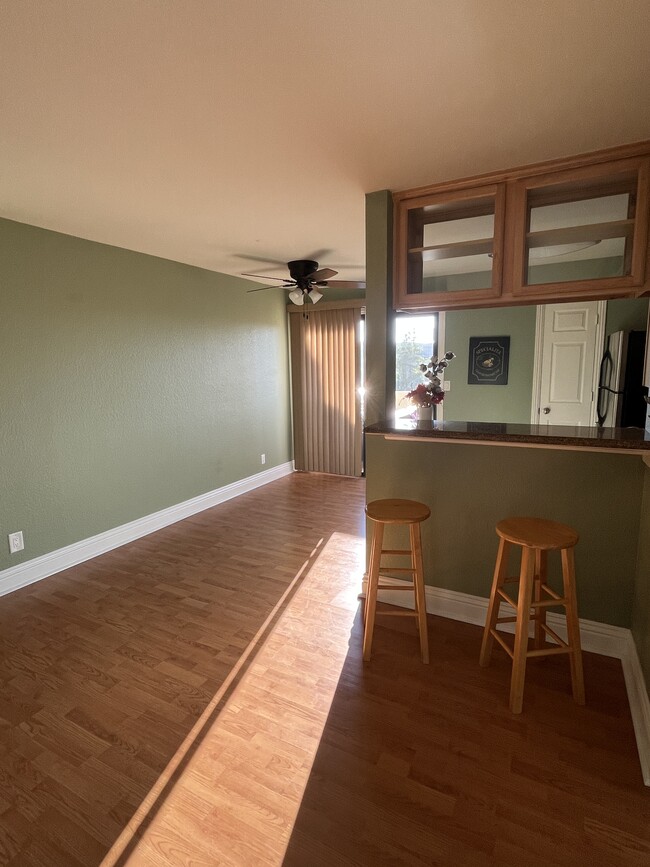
(452, 251)
(572, 234)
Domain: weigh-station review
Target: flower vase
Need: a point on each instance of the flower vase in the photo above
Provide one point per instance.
(426, 413)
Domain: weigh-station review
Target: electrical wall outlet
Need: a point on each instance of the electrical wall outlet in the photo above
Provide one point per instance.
(16, 542)
(262, 459)
(446, 385)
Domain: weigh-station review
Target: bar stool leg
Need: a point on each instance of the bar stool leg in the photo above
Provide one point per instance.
(541, 574)
(498, 581)
(364, 611)
(526, 579)
(418, 587)
(572, 625)
(371, 590)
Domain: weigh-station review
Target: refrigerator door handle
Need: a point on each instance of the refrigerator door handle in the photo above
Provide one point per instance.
(602, 404)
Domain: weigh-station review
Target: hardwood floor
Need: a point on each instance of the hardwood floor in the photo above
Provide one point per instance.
(426, 765)
(105, 668)
(198, 698)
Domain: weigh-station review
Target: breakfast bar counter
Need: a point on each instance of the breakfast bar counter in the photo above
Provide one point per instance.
(615, 440)
(473, 475)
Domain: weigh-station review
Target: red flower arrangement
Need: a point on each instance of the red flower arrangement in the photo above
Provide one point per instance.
(430, 393)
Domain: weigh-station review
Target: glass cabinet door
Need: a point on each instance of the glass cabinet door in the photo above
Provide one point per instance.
(577, 230)
(451, 247)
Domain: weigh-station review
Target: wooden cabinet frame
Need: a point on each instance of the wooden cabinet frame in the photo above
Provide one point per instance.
(510, 189)
(405, 273)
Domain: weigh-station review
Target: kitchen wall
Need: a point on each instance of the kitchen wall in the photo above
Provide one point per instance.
(512, 402)
(626, 314)
(499, 403)
(380, 317)
(471, 487)
(128, 384)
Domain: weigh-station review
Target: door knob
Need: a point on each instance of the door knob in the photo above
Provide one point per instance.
(546, 410)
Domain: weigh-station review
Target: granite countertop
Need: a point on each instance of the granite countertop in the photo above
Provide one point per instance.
(629, 439)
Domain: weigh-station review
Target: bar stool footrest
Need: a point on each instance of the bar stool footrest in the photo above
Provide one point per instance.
(507, 598)
(548, 651)
(503, 643)
(555, 636)
(549, 603)
(553, 594)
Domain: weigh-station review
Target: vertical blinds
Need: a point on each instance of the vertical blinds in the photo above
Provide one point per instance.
(325, 358)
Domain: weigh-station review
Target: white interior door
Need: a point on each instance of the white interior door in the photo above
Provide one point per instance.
(568, 350)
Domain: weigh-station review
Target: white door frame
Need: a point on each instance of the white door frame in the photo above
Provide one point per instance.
(537, 364)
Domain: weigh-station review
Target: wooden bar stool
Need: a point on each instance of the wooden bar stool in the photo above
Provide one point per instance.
(411, 514)
(536, 537)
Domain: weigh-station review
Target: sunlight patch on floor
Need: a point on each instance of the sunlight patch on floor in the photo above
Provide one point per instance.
(238, 780)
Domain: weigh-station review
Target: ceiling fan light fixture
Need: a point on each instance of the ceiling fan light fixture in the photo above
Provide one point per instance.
(315, 296)
(297, 297)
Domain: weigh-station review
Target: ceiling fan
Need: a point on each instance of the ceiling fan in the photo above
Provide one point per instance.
(306, 279)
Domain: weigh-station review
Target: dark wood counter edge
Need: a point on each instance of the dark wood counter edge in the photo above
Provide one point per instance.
(626, 440)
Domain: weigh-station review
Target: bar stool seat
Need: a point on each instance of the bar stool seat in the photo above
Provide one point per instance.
(536, 537)
(408, 513)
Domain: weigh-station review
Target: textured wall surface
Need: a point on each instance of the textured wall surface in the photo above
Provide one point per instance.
(128, 384)
(380, 318)
(626, 314)
(470, 487)
(505, 403)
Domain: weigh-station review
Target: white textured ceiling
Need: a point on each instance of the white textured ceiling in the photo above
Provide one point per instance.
(206, 130)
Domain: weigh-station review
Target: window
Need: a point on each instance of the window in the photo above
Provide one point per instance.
(416, 340)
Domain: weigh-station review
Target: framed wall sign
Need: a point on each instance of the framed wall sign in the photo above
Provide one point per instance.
(488, 360)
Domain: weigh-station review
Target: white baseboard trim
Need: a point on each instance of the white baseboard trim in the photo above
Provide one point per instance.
(595, 637)
(637, 695)
(63, 558)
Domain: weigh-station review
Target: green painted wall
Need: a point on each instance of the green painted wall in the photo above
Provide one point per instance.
(626, 314)
(380, 318)
(641, 609)
(470, 487)
(129, 383)
(503, 403)
(512, 402)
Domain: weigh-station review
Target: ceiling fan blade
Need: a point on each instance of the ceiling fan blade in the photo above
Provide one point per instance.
(266, 277)
(319, 255)
(343, 284)
(322, 274)
(266, 259)
(263, 288)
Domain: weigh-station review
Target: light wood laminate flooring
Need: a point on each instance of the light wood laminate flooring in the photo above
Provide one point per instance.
(198, 698)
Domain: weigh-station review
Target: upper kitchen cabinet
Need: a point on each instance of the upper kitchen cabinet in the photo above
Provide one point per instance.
(581, 230)
(450, 244)
(573, 228)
